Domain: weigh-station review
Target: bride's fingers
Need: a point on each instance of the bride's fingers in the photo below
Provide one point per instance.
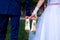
(33, 17)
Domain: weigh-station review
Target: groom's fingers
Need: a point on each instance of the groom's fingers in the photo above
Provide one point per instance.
(27, 17)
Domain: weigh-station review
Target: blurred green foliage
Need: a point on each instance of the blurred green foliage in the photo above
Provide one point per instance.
(22, 35)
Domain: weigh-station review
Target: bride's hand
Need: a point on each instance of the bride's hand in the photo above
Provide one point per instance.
(34, 16)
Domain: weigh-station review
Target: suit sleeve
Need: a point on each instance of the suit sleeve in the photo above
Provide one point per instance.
(27, 5)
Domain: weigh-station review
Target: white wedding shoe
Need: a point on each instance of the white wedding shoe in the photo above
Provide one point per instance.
(33, 28)
(27, 25)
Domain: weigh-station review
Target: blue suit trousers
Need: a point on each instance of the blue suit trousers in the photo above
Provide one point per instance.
(4, 19)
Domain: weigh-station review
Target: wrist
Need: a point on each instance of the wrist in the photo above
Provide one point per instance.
(35, 10)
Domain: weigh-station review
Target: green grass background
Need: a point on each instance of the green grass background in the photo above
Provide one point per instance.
(23, 35)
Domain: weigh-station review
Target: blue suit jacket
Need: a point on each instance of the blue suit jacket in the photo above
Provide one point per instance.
(10, 7)
(27, 5)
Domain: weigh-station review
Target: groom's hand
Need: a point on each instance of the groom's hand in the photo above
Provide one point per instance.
(27, 17)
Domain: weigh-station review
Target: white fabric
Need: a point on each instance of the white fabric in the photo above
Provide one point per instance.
(48, 25)
(35, 10)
